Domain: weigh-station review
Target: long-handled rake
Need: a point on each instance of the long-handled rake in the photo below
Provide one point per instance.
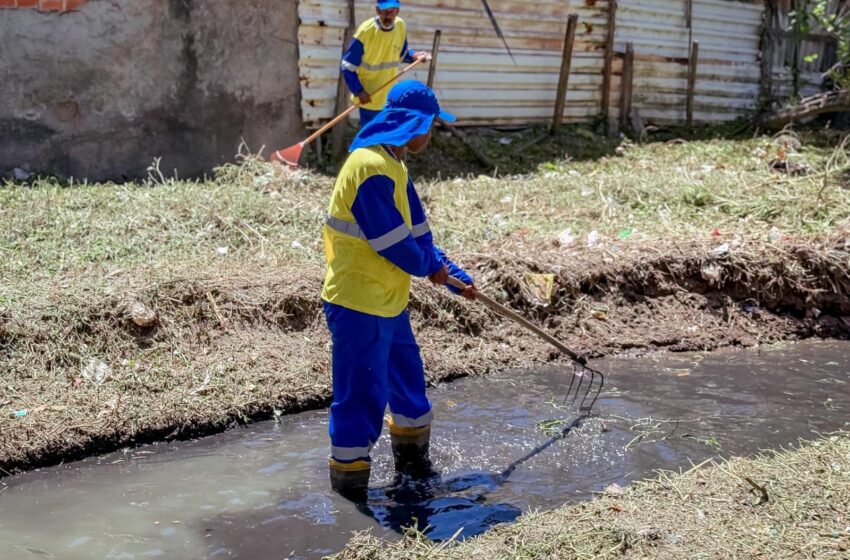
(291, 155)
(581, 371)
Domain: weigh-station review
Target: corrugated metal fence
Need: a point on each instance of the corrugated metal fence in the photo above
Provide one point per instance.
(728, 71)
(478, 81)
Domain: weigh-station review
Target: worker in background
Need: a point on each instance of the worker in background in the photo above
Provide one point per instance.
(373, 57)
(376, 236)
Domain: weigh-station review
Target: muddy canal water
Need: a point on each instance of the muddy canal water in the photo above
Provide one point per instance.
(261, 491)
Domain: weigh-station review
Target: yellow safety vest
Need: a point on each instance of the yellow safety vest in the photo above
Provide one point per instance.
(357, 276)
(381, 58)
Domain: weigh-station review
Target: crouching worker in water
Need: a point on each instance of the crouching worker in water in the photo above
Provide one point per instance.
(376, 237)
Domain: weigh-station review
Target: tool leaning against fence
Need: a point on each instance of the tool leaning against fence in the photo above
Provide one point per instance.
(290, 156)
(580, 367)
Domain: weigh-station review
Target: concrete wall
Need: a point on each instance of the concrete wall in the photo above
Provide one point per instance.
(99, 91)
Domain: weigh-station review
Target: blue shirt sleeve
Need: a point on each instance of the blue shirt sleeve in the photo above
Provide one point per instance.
(384, 228)
(425, 239)
(351, 60)
(406, 53)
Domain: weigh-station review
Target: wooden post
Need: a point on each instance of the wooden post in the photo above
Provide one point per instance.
(768, 44)
(609, 57)
(692, 79)
(564, 76)
(626, 90)
(337, 136)
(798, 62)
(435, 48)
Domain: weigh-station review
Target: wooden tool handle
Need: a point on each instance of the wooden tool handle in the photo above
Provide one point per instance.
(345, 113)
(516, 317)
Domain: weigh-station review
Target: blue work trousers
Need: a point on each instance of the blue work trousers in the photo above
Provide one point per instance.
(375, 362)
(366, 116)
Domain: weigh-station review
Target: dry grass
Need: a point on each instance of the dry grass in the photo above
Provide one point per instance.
(779, 505)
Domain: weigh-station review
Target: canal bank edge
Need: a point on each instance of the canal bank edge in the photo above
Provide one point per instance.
(254, 346)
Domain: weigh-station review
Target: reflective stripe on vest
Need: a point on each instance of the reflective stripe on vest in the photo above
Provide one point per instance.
(382, 66)
(386, 240)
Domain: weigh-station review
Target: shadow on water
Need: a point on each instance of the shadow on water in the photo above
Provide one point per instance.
(441, 507)
(449, 508)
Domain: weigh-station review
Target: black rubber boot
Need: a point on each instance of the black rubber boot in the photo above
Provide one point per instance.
(350, 480)
(410, 450)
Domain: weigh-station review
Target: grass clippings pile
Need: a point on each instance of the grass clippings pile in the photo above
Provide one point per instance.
(133, 313)
(780, 505)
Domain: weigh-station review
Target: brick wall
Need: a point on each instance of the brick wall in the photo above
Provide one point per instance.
(44, 5)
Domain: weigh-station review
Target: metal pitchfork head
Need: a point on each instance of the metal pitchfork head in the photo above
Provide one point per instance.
(591, 380)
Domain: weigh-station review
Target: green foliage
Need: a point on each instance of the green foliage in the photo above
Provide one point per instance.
(817, 16)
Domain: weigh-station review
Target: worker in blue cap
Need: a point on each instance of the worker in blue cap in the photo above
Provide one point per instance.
(373, 56)
(376, 236)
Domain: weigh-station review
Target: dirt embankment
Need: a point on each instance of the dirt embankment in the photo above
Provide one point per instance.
(228, 349)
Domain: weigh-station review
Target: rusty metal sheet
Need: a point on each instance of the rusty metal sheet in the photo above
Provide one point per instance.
(728, 72)
(476, 79)
(480, 83)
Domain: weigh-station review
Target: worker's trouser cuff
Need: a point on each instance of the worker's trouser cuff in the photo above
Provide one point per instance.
(350, 480)
(411, 449)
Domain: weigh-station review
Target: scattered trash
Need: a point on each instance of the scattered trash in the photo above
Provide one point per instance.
(625, 234)
(789, 167)
(500, 220)
(96, 371)
(592, 238)
(541, 286)
(296, 245)
(614, 490)
(20, 413)
(715, 232)
(711, 273)
(142, 315)
(566, 238)
(721, 249)
(203, 387)
(221, 250)
(750, 307)
(787, 142)
(507, 199)
(20, 174)
(775, 234)
(504, 141)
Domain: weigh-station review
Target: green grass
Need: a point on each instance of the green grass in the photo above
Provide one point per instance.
(262, 215)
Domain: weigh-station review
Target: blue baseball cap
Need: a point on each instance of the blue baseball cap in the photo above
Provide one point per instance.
(410, 111)
(387, 4)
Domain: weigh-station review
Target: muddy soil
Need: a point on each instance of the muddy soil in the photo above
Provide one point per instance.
(227, 350)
